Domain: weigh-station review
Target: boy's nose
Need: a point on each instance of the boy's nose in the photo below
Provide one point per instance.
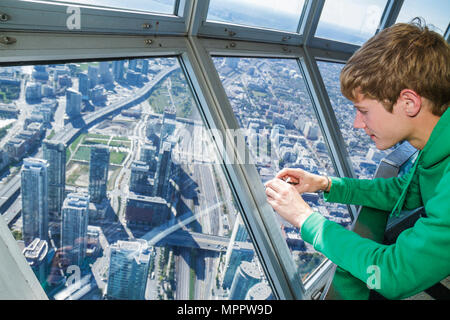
(358, 123)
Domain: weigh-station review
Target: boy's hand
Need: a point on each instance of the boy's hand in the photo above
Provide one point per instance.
(304, 181)
(287, 202)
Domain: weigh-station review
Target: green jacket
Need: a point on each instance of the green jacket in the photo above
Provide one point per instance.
(421, 255)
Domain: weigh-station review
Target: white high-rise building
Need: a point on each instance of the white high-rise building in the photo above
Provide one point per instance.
(34, 189)
(74, 224)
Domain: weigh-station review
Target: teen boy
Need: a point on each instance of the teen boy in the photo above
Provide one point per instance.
(399, 82)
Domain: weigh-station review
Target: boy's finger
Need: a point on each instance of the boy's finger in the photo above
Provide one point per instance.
(287, 172)
(275, 184)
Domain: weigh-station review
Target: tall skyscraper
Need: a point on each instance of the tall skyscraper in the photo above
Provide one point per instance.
(128, 270)
(34, 189)
(74, 225)
(73, 103)
(93, 74)
(104, 73)
(55, 154)
(132, 64)
(83, 85)
(98, 173)
(118, 69)
(163, 169)
(145, 65)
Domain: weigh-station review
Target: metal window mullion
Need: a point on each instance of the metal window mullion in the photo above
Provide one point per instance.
(311, 19)
(245, 181)
(44, 47)
(447, 33)
(390, 14)
(197, 17)
(17, 279)
(327, 55)
(239, 32)
(176, 7)
(333, 47)
(230, 48)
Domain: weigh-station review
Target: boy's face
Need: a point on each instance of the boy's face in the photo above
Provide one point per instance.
(384, 128)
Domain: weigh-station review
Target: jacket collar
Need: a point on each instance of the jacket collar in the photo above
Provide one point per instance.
(438, 145)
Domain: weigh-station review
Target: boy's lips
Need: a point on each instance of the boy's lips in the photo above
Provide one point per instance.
(371, 135)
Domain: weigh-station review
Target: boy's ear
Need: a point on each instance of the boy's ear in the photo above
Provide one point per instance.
(411, 101)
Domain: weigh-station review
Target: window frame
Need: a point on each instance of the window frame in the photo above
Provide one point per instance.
(33, 48)
(318, 96)
(204, 28)
(17, 279)
(26, 15)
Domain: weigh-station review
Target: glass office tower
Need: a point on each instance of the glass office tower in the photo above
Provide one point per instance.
(128, 270)
(98, 173)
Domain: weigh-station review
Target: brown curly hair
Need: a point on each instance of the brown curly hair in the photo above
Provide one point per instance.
(403, 56)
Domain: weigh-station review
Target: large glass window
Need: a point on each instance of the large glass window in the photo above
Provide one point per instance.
(431, 11)
(283, 15)
(112, 188)
(363, 153)
(273, 108)
(157, 6)
(350, 21)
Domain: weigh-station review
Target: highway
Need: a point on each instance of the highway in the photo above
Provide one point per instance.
(8, 190)
(185, 239)
(71, 130)
(159, 233)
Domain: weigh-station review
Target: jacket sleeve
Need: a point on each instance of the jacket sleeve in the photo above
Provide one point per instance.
(379, 193)
(419, 258)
